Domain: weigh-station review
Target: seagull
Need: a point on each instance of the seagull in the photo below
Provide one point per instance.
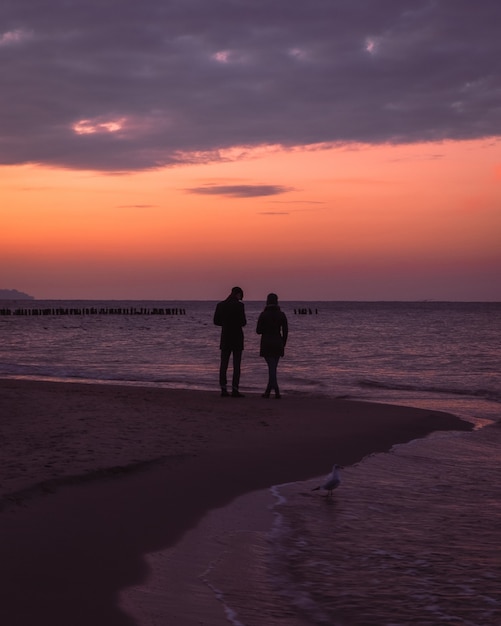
(332, 481)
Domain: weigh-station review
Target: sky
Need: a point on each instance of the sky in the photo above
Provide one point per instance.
(323, 150)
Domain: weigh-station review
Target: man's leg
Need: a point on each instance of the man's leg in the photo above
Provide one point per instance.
(223, 368)
(235, 383)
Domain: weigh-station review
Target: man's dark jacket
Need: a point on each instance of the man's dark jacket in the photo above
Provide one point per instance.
(230, 315)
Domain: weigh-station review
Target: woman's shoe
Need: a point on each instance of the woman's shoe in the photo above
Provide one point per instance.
(278, 396)
(266, 394)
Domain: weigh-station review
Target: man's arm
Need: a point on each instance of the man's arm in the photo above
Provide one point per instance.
(218, 317)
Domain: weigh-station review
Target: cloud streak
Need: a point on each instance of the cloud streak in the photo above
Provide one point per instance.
(127, 85)
(240, 191)
(274, 213)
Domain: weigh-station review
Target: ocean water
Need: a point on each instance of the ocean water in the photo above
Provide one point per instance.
(445, 356)
(410, 538)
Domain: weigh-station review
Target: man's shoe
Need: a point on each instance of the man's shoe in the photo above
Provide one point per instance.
(237, 394)
(224, 393)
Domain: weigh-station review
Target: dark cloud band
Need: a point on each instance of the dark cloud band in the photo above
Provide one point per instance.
(127, 85)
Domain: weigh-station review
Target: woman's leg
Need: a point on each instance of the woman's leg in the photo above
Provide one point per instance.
(272, 362)
(266, 394)
(277, 391)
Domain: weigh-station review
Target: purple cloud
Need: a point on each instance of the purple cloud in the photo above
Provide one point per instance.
(125, 85)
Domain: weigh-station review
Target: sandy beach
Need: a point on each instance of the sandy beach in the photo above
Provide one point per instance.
(95, 477)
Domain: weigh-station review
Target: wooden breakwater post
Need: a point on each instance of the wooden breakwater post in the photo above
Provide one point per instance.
(305, 311)
(84, 311)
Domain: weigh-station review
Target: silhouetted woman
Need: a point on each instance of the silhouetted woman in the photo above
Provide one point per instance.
(273, 328)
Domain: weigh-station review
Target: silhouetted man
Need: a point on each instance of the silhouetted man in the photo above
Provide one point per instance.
(230, 315)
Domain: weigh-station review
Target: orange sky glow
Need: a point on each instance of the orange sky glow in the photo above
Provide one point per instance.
(356, 222)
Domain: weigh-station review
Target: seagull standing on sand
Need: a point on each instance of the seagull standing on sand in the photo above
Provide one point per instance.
(332, 481)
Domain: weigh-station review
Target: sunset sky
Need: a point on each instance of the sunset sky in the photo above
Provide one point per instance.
(329, 149)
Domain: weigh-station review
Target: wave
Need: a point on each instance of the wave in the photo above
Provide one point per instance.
(487, 394)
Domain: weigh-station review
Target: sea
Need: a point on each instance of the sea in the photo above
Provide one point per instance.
(442, 355)
(411, 537)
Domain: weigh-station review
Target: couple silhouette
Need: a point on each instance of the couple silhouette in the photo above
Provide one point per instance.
(271, 325)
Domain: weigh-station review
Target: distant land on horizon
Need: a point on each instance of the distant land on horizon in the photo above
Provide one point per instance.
(14, 294)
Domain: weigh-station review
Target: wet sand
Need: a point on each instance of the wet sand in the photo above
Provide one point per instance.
(95, 477)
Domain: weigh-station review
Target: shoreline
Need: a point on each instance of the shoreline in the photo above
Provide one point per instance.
(190, 452)
(190, 583)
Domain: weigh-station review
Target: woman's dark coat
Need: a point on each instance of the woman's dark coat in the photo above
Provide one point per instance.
(273, 328)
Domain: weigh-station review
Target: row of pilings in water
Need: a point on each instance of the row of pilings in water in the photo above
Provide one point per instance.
(31, 311)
